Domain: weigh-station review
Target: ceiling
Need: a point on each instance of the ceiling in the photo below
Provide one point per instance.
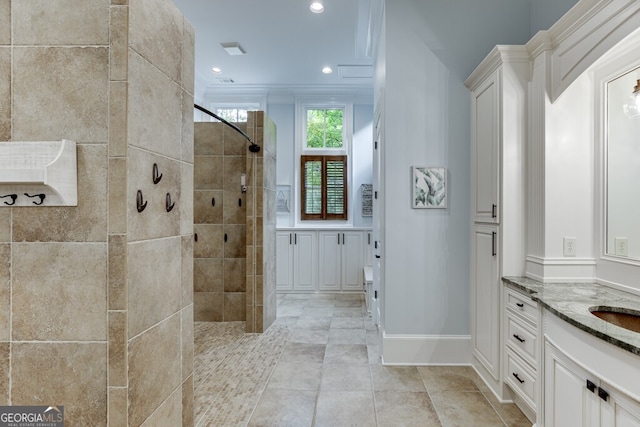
(286, 44)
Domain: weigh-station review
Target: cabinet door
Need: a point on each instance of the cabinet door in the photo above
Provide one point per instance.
(329, 275)
(485, 139)
(368, 248)
(619, 410)
(352, 260)
(304, 261)
(485, 293)
(284, 261)
(568, 400)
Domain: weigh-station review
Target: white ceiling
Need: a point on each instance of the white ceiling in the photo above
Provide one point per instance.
(286, 44)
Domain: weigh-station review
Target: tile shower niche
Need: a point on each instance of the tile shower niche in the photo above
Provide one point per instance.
(38, 173)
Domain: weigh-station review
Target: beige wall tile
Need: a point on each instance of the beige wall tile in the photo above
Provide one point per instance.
(118, 119)
(60, 22)
(5, 22)
(210, 243)
(186, 199)
(208, 138)
(235, 247)
(85, 223)
(118, 42)
(60, 93)
(117, 406)
(208, 275)
(154, 282)
(234, 274)
(187, 270)
(235, 212)
(235, 144)
(59, 291)
(57, 366)
(117, 347)
(119, 2)
(187, 402)
(154, 120)
(187, 127)
(5, 225)
(235, 306)
(154, 221)
(155, 32)
(188, 57)
(154, 368)
(4, 373)
(208, 306)
(5, 89)
(169, 413)
(187, 342)
(5, 291)
(208, 207)
(117, 272)
(233, 167)
(117, 195)
(208, 173)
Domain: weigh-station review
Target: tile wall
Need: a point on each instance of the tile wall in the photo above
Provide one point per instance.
(96, 302)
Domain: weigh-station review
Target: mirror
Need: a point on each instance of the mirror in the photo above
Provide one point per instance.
(623, 166)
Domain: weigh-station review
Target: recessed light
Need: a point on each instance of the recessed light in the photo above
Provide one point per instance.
(216, 70)
(327, 70)
(316, 7)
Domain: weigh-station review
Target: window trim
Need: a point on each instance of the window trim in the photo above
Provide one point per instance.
(324, 215)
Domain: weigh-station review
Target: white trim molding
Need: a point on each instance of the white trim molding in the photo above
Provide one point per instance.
(424, 350)
(565, 270)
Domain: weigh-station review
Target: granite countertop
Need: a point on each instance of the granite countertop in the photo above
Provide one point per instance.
(571, 302)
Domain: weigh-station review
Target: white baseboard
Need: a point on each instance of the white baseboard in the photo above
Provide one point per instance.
(574, 270)
(426, 349)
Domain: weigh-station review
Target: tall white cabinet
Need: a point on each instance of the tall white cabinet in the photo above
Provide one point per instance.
(296, 261)
(498, 131)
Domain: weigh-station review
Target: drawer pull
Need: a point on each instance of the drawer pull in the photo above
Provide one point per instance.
(519, 304)
(518, 378)
(603, 394)
(518, 338)
(591, 386)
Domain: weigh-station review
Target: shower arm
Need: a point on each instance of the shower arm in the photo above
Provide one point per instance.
(254, 148)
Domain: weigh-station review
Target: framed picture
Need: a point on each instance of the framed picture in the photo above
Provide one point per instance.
(429, 187)
(283, 199)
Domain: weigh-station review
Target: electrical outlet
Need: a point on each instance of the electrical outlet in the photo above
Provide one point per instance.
(621, 244)
(569, 246)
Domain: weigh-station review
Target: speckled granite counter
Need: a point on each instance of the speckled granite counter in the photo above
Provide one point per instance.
(571, 302)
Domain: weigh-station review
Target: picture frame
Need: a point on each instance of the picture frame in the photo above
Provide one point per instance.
(283, 199)
(429, 187)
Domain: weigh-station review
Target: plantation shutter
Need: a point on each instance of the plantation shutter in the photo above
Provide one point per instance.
(324, 187)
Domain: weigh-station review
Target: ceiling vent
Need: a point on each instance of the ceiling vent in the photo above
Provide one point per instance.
(233, 48)
(355, 71)
(225, 80)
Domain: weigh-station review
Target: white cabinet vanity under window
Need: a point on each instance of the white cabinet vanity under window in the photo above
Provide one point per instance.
(321, 260)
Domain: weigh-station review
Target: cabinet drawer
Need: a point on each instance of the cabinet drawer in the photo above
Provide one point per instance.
(521, 339)
(523, 305)
(521, 379)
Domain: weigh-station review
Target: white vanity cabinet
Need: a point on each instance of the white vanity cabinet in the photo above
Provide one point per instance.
(296, 261)
(498, 130)
(522, 348)
(587, 381)
(320, 260)
(341, 259)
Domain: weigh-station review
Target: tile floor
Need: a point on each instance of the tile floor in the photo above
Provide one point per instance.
(318, 365)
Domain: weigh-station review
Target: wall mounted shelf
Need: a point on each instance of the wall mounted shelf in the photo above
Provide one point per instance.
(38, 173)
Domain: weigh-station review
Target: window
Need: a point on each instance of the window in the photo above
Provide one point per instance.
(324, 187)
(325, 128)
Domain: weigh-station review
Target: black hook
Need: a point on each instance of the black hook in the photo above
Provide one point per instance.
(13, 199)
(240, 202)
(139, 202)
(42, 196)
(213, 201)
(168, 203)
(155, 176)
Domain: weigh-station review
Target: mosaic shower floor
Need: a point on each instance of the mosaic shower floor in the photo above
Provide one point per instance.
(318, 365)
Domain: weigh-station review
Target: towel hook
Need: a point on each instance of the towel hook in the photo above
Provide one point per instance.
(13, 199)
(155, 175)
(41, 196)
(169, 206)
(139, 202)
